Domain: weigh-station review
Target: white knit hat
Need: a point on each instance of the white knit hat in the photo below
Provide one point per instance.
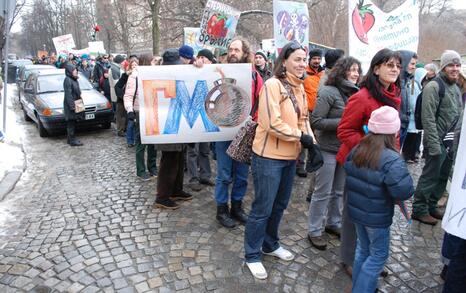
(449, 57)
(384, 120)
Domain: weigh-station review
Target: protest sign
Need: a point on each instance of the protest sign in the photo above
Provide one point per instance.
(371, 29)
(190, 38)
(218, 24)
(96, 47)
(63, 44)
(454, 220)
(182, 103)
(290, 23)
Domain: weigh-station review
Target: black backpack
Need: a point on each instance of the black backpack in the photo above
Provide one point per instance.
(120, 87)
(418, 108)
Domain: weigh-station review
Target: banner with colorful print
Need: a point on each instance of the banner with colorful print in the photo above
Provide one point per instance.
(371, 29)
(218, 25)
(183, 103)
(63, 44)
(290, 23)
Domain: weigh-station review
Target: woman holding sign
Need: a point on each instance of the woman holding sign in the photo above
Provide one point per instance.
(283, 129)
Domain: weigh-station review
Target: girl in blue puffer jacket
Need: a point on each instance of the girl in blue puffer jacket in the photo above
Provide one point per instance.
(376, 177)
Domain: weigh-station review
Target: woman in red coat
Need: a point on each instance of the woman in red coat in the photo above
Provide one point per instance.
(380, 87)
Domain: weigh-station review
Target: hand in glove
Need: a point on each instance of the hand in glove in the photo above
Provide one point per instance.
(306, 140)
(131, 116)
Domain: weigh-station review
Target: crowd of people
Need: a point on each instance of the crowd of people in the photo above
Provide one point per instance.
(363, 126)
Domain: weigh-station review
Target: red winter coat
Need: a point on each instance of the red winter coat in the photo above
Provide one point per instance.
(356, 114)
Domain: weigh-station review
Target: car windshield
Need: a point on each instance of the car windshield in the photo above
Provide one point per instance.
(27, 72)
(19, 63)
(54, 83)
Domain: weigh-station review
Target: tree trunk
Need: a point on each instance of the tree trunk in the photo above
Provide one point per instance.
(155, 9)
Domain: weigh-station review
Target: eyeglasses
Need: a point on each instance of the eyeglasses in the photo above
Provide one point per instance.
(392, 65)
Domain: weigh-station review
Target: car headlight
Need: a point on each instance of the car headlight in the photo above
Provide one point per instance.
(103, 106)
(52, 112)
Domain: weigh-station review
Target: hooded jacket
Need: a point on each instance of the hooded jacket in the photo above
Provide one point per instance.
(406, 85)
(372, 193)
(356, 115)
(280, 125)
(311, 85)
(72, 92)
(331, 101)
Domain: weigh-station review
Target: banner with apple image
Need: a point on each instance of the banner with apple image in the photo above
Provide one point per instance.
(218, 25)
(290, 23)
(371, 29)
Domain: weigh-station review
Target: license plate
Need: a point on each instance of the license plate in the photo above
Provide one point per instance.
(90, 116)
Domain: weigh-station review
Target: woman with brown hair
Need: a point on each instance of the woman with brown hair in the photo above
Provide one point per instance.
(132, 107)
(283, 129)
(326, 202)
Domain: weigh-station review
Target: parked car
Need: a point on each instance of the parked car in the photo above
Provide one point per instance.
(13, 66)
(42, 102)
(24, 72)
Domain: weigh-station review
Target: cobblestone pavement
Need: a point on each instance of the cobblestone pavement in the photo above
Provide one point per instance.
(80, 221)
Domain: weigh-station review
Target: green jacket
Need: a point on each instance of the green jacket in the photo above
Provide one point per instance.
(435, 127)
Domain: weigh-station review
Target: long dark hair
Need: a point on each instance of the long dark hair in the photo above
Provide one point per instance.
(338, 72)
(145, 59)
(279, 70)
(372, 82)
(367, 153)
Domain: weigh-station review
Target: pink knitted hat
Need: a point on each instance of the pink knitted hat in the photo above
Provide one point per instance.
(384, 120)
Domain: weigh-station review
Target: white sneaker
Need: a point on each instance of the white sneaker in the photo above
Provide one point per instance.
(257, 270)
(281, 253)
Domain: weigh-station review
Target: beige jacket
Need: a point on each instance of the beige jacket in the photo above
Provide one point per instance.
(279, 128)
(130, 93)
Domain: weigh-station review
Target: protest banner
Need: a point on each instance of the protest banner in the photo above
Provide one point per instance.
(290, 23)
(182, 103)
(63, 44)
(454, 220)
(218, 24)
(96, 48)
(371, 29)
(268, 45)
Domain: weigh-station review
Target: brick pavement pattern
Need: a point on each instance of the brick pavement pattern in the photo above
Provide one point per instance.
(80, 221)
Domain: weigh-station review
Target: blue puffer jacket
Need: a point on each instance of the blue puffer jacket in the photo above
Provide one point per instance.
(372, 193)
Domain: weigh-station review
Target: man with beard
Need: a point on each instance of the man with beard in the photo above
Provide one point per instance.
(229, 171)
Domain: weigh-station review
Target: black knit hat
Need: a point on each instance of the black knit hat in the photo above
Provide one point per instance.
(315, 52)
(208, 54)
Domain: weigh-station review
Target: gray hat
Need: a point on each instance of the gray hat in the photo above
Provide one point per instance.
(171, 57)
(262, 53)
(449, 57)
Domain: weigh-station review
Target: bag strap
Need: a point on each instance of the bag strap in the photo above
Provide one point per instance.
(290, 93)
(135, 92)
(256, 95)
(441, 93)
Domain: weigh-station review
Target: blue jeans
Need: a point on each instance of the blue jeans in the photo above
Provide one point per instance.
(370, 257)
(273, 182)
(456, 274)
(130, 132)
(229, 171)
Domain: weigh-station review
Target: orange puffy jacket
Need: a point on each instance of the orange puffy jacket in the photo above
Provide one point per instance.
(311, 85)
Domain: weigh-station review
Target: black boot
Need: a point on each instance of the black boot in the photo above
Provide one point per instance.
(223, 216)
(75, 142)
(237, 212)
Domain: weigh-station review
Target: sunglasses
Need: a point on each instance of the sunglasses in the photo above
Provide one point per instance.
(295, 46)
(392, 65)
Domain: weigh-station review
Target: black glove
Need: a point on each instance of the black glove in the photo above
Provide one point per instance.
(131, 116)
(80, 116)
(306, 140)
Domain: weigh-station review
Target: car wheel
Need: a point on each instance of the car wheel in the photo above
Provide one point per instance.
(42, 131)
(106, 125)
(25, 115)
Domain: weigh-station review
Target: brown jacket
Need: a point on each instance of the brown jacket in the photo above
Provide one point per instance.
(279, 128)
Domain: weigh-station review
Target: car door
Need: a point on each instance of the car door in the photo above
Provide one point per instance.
(27, 99)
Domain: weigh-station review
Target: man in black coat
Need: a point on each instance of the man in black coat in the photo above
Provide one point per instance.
(72, 93)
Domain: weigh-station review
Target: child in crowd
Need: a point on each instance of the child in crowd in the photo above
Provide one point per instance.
(376, 177)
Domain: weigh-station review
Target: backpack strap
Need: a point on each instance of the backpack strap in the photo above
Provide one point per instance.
(135, 92)
(441, 92)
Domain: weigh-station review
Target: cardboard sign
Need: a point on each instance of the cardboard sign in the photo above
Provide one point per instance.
(454, 220)
(63, 44)
(371, 29)
(290, 23)
(183, 103)
(218, 25)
